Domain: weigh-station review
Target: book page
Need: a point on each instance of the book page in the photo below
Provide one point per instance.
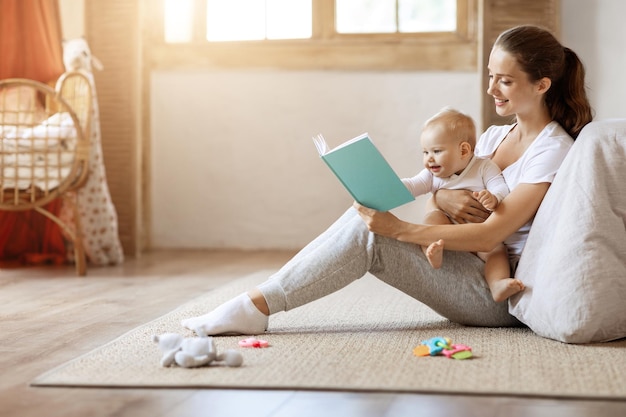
(320, 144)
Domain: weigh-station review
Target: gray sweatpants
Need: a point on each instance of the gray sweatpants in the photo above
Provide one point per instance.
(348, 250)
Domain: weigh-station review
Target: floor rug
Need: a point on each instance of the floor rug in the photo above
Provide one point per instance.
(358, 339)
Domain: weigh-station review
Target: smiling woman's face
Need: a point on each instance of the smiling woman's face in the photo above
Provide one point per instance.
(513, 92)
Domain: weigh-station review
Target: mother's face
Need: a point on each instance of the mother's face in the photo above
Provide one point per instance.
(509, 85)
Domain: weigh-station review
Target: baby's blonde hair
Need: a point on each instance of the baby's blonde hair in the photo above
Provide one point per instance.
(457, 124)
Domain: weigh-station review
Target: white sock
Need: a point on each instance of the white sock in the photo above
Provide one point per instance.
(237, 316)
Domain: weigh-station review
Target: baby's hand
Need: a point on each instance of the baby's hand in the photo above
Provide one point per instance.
(488, 200)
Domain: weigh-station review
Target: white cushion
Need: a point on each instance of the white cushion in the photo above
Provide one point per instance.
(574, 262)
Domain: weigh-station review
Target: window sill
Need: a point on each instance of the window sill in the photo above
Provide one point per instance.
(357, 55)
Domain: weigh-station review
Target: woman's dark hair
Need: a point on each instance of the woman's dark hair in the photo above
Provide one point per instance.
(541, 55)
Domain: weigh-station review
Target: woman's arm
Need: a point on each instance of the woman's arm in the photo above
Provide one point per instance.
(512, 213)
(460, 205)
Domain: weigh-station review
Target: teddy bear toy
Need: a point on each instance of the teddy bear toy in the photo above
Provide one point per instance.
(193, 352)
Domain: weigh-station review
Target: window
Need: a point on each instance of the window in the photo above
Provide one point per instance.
(232, 20)
(395, 16)
(317, 34)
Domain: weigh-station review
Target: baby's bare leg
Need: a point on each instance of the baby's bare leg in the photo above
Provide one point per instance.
(498, 274)
(434, 251)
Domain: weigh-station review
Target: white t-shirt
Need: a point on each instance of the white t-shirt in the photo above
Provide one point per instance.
(479, 174)
(538, 164)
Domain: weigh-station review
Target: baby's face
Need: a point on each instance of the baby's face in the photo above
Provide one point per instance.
(442, 154)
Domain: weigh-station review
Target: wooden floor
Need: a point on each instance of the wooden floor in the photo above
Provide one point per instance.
(49, 316)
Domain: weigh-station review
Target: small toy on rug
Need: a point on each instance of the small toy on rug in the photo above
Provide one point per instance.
(193, 352)
(253, 342)
(442, 346)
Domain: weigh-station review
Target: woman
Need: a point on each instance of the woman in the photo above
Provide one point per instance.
(532, 77)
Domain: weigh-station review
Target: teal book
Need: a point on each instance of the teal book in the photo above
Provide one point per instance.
(365, 173)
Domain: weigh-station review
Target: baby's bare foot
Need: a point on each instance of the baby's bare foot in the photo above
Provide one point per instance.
(504, 288)
(434, 253)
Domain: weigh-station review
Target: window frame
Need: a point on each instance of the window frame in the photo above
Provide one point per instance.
(326, 50)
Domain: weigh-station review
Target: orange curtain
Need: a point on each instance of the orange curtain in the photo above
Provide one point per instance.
(31, 47)
(31, 41)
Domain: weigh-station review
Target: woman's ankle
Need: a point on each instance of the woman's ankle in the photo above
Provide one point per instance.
(259, 301)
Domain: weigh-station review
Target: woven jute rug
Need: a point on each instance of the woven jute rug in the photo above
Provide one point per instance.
(358, 339)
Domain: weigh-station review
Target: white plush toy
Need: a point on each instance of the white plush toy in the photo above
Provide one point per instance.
(78, 56)
(193, 352)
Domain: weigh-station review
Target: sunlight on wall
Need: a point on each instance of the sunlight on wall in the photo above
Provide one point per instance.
(178, 21)
(72, 18)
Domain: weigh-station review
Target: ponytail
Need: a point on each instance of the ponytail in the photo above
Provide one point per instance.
(567, 100)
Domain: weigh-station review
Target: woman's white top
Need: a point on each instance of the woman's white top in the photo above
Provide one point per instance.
(538, 164)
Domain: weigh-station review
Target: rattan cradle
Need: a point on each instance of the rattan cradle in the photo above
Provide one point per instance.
(44, 148)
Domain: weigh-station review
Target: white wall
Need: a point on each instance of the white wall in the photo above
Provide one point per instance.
(597, 32)
(233, 162)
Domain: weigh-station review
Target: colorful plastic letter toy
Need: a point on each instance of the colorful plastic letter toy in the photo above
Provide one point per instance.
(442, 346)
(458, 352)
(432, 347)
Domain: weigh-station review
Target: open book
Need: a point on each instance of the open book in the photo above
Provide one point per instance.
(365, 173)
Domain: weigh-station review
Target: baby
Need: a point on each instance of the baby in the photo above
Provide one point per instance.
(448, 140)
